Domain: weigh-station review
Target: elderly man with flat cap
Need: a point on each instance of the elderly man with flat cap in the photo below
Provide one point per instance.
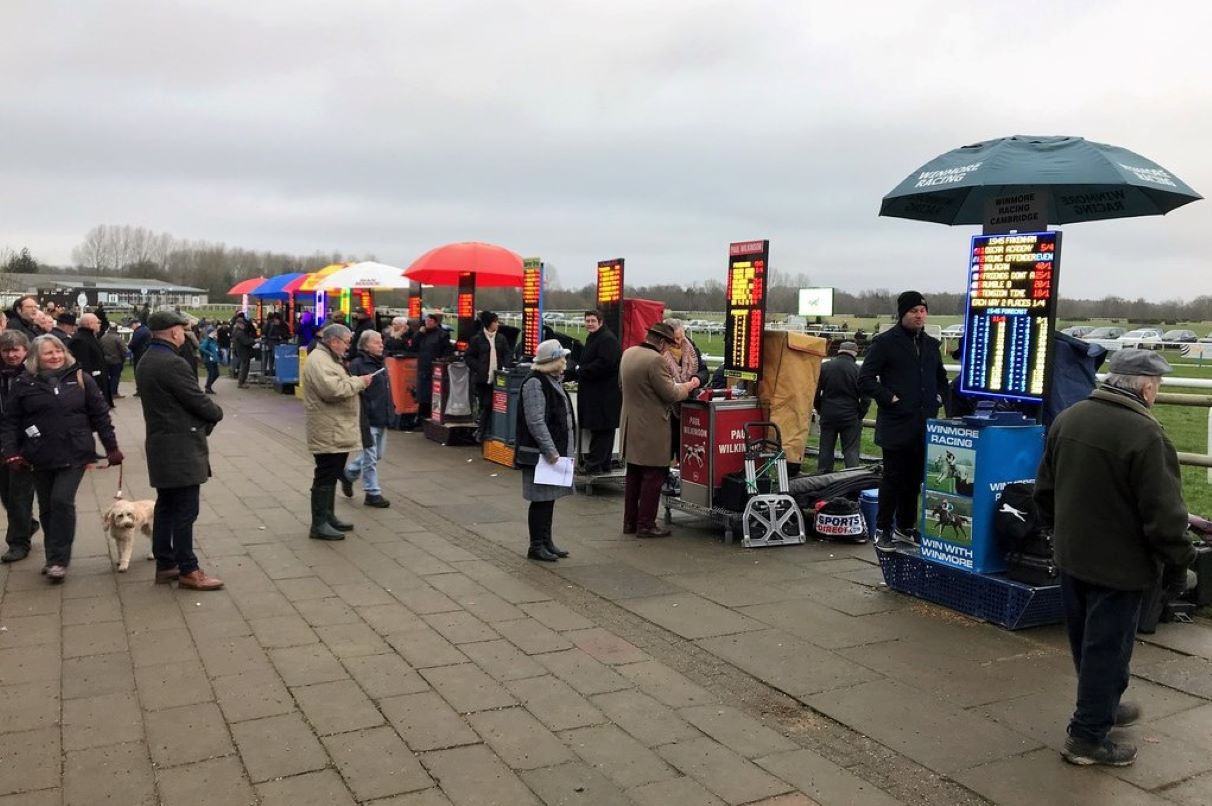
(1109, 487)
(648, 391)
(178, 418)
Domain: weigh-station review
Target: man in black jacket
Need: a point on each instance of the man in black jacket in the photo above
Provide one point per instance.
(432, 343)
(1109, 486)
(89, 355)
(242, 341)
(24, 311)
(903, 373)
(375, 414)
(179, 418)
(487, 351)
(599, 398)
(16, 484)
(841, 408)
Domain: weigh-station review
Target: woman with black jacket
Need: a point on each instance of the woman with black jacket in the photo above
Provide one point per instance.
(49, 420)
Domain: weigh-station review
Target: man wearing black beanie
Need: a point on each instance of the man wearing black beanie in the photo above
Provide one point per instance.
(903, 373)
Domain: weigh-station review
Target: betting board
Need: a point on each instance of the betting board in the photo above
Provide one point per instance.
(610, 294)
(532, 305)
(746, 308)
(465, 308)
(414, 301)
(1010, 315)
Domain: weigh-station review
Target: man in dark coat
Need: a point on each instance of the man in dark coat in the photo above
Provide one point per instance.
(599, 398)
(140, 337)
(432, 343)
(89, 355)
(179, 417)
(903, 373)
(24, 311)
(242, 348)
(1109, 486)
(276, 333)
(841, 408)
(114, 350)
(487, 351)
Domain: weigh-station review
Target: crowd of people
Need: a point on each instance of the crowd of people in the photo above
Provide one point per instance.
(60, 374)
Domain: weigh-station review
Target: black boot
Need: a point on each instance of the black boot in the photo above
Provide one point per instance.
(331, 511)
(539, 551)
(552, 547)
(321, 504)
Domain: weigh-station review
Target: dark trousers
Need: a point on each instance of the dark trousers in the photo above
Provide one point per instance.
(539, 518)
(17, 493)
(56, 491)
(601, 449)
(243, 362)
(115, 378)
(484, 394)
(270, 357)
(900, 487)
(212, 374)
(852, 437)
(642, 495)
(330, 468)
(1102, 631)
(173, 528)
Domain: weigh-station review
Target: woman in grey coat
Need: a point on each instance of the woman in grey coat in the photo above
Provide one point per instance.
(546, 432)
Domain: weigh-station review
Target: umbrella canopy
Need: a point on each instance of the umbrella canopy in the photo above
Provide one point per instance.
(312, 280)
(245, 286)
(296, 285)
(492, 265)
(1083, 180)
(275, 287)
(365, 275)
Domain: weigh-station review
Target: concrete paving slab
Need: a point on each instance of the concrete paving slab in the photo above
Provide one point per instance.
(426, 722)
(532, 637)
(376, 764)
(1189, 674)
(474, 776)
(690, 616)
(574, 783)
(519, 739)
(502, 660)
(725, 773)
(557, 616)
(554, 703)
(584, 673)
(114, 773)
(351, 640)
(616, 581)
(336, 707)
(676, 792)
(382, 676)
(326, 612)
(650, 722)
(821, 625)
(621, 758)
(788, 663)
(1042, 777)
(214, 781)
(322, 788)
(665, 684)
(31, 760)
(187, 734)
(278, 747)
(823, 780)
(107, 719)
(307, 665)
(29, 706)
(467, 688)
(736, 730)
(927, 729)
(1195, 791)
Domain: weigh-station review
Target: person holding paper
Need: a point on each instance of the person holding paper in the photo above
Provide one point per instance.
(546, 434)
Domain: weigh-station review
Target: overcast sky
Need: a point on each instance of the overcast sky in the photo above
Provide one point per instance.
(658, 130)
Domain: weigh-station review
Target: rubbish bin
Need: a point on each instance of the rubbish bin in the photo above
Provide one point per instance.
(869, 503)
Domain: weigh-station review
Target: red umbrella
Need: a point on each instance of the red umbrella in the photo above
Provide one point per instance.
(245, 286)
(492, 265)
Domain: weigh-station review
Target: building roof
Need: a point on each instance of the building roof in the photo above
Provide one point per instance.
(106, 283)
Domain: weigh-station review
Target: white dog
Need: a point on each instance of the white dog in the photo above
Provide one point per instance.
(121, 521)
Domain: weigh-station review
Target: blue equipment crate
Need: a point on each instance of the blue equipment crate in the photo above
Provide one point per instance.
(989, 597)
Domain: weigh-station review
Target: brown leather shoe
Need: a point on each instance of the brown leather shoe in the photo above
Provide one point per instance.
(167, 575)
(199, 581)
(653, 531)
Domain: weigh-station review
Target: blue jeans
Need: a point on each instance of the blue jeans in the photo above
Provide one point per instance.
(212, 373)
(366, 463)
(1102, 631)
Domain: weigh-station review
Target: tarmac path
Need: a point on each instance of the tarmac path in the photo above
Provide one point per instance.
(424, 661)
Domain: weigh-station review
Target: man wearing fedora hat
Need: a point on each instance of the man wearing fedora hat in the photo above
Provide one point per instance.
(648, 392)
(841, 408)
(1111, 548)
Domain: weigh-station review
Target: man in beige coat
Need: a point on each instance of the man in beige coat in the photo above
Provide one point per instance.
(648, 392)
(331, 407)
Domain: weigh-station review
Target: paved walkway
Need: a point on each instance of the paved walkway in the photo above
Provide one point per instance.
(422, 661)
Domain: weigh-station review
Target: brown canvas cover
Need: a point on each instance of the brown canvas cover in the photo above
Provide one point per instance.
(791, 369)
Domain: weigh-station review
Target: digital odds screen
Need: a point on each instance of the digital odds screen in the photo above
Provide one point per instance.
(532, 305)
(414, 301)
(1010, 315)
(746, 308)
(610, 294)
(465, 308)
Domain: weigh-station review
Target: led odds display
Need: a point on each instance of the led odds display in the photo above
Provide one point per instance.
(532, 305)
(610, 294)
(1011, 314)
(746, 313)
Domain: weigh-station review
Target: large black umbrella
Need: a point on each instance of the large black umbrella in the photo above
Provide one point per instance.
(1081, 180)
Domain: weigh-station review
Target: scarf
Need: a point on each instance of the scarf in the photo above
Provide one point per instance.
(683, 361)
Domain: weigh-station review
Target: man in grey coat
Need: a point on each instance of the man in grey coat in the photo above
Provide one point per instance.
(179, 418)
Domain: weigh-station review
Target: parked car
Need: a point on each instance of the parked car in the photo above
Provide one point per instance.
(1143, 338)
(1180, 336)
(952, 332)
(1077, 331)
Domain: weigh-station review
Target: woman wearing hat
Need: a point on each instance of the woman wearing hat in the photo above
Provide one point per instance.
(546, 432)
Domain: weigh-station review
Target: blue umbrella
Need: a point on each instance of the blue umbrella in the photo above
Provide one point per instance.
(1082, 180)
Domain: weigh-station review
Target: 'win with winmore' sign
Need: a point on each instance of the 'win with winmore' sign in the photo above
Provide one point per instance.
(966, 468)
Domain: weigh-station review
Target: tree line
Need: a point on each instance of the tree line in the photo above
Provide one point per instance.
(138, 252)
